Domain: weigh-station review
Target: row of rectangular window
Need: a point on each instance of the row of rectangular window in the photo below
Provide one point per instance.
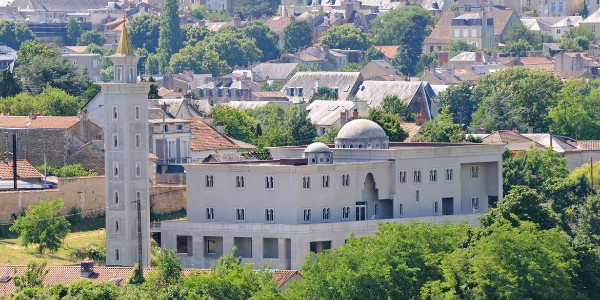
(137, 141)
(209, 181)
(138, 197)
(433, 175)
(115, 112)
(138, 169)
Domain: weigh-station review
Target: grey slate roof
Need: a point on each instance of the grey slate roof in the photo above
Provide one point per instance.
(325, 112)
(374, 91)
(275, 71)
(59, 5)
(345, 82)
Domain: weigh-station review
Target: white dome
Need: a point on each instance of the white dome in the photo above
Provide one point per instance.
(317, 148)
(361, 129)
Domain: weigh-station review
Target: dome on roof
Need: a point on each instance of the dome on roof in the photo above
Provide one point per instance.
(361, 129)
(317, 147)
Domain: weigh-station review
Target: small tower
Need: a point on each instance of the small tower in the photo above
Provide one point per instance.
(126, 160)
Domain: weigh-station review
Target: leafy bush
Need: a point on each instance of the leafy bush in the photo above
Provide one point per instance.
(75, 170)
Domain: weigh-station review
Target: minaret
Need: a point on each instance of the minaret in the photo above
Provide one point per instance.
(126, 160)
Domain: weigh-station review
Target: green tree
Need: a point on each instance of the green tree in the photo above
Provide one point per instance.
(518, 48)
(296, 35)
(393, 264)
(91, 37)
(329, 136)
(32, 277)
(535, 169)
(31, 49)
(520, 262)
(586, 243)
(534, 39)
(73, 31)
(254, 9)
(153, 93)
(85, 289)
(522, 204)
(168, 270)
(351, 67)
(233, 47)
(440, 129)
(586, 170)
(324, 93)
(458, 101)
(264, 38)
(407, 27)
(302, 130)
(575, 114)
(515, 97)
(14, 34)
(372, 54)
(42, 225)
(9, 85)
(345, 37)
(456, 47)
(198, 59)
(199, 11)
(50, 102)
(570, 45)
(237, 123)
(389, 122)
(193, 34)
(271, 87)
(584, 31)
(74, 170)
(394, 105)
(170, 37)
(143, 31)
(138, 275)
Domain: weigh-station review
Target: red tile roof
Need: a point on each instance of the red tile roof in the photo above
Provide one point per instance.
(277, 24)
(411, 129)
(205, 137)
(588, 145)
(24, 170)
(268, 95)
(441, 32)
(534, 60)
(47, 122)
(388, 51)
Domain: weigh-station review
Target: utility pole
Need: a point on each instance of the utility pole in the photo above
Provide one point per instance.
(14, 154)
(592, 171)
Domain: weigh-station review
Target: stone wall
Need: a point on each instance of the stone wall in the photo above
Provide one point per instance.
(32, 145)
(87, 194)
(166, 198)
(90, 156)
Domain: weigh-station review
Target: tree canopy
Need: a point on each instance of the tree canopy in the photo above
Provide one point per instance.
(296, 35)
(345, 37)
(91, 37)
(14, 34)
(143, 31)
(170, 38)
(41, 225)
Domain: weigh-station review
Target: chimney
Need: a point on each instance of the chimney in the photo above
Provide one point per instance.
(529, 129)
(87, 269)
(443, 58)
(343, 116)
(478, 56)
(220, 128)
(237, 22)
(355, 114)
(33, 116)
(419, 119)
(495, 54)
(82, 115)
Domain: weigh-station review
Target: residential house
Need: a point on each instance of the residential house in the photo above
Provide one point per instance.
(417, 95)
(272, 72)
(551, 49)
(575, 65)
(277, 24)
(376, 69)
(89, 63)
(513, 141)
(471, 28)
(558, 8)
(207, 140)
(302, 85)
(55, 140)
(325, 114)
(311, 198)
(389, 52)
(564, 25)
(232, 87)
(593, 20)
(26, 172)
(535, 62)
(8, 56)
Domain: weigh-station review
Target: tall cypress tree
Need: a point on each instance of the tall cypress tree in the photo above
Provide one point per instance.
(170, 39)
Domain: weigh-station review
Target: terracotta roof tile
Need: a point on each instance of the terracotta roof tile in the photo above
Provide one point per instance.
(77, 49)
(441, 32)
(24, 170)
(388, 51)
(277, 24)
(588, 145)
(411, 129)
(269, 94)
(48, 122)
(205, 137)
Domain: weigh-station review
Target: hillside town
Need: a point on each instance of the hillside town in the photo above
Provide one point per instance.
(299, 149)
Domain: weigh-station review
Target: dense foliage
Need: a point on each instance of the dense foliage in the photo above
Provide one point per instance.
(75, 170)
(41, 225)
(14, 34)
